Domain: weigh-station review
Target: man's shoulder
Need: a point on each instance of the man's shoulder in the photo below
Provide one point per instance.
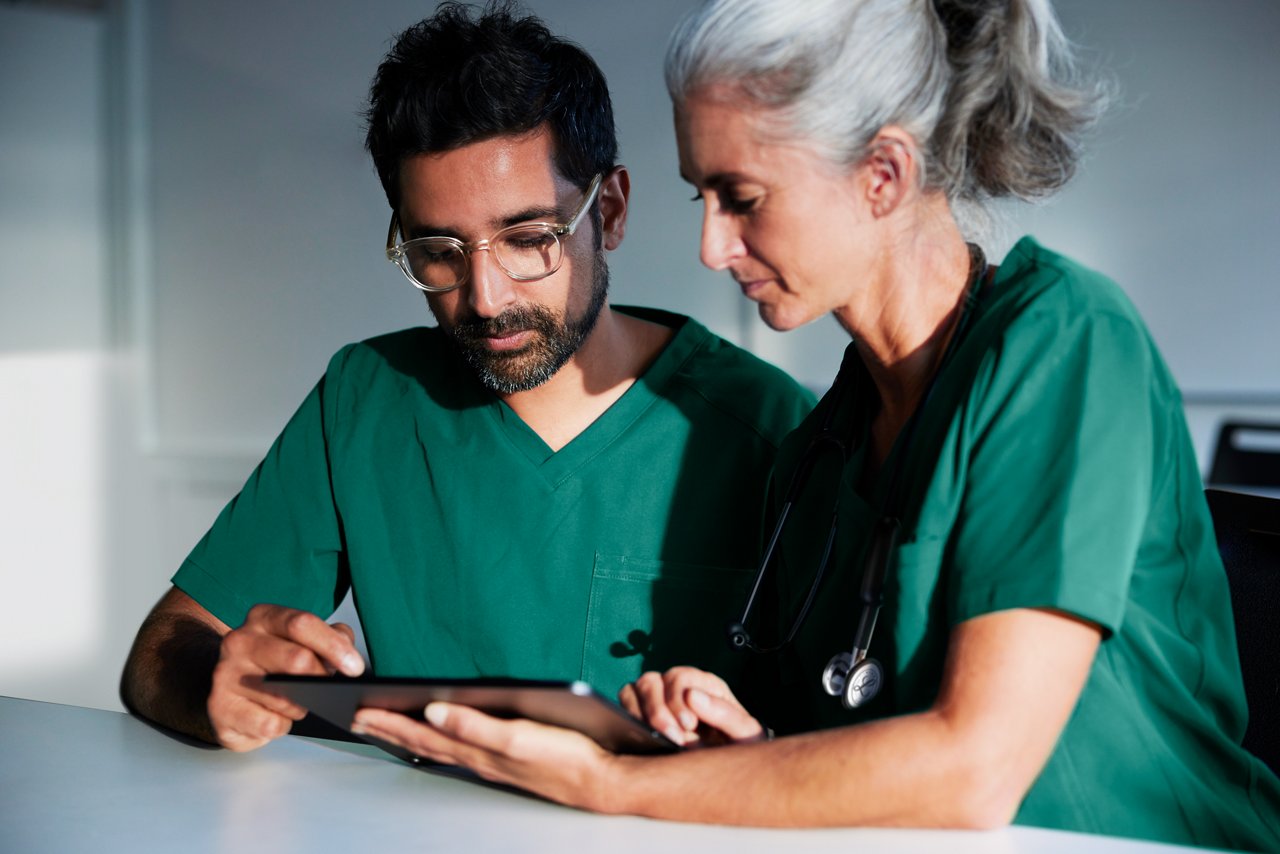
(731, 381)
(387, 366)
(402, 351)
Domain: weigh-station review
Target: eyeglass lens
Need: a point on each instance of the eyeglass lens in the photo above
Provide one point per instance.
(526, 252)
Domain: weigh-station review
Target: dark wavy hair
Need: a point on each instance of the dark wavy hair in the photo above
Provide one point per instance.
(453, 79)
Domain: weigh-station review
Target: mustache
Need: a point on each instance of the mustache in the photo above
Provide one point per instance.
(514, 319)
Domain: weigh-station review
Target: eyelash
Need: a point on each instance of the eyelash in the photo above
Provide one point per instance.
(738, 207)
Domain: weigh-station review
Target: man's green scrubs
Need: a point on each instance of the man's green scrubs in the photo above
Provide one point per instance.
(1051, 468)
(474, 550)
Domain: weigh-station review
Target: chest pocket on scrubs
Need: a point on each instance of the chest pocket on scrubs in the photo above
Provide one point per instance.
(652, 615)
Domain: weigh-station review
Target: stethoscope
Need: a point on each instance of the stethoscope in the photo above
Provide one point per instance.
(852, 676)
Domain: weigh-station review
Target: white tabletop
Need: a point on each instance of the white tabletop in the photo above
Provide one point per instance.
(83, 780)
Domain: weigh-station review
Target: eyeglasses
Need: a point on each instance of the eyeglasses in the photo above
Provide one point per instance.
(527, 252)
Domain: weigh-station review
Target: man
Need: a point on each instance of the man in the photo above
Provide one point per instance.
(543, 486)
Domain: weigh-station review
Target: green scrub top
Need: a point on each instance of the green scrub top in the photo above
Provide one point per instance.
(1050, 468)
(472, 549)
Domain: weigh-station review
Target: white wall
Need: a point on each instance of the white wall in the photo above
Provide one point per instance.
(189, 227)
(54, 354)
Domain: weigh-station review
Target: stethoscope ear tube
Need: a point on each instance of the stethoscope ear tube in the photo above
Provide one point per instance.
(852, 676)
(883, 544)
(736, 632)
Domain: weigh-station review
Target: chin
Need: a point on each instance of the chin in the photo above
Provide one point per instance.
(780, 319)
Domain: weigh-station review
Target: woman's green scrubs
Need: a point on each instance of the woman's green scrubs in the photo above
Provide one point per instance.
(1051, 468)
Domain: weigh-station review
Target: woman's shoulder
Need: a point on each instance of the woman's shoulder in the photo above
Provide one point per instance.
(1050, 321)
(1034, 281)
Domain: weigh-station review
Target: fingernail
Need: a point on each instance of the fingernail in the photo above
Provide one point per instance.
(688, 720)
(352, 664)
(436, 714)
(358, 728)
(697, 699)
(674, 734)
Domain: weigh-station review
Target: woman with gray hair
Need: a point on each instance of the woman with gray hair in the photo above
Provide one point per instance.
(993, 593)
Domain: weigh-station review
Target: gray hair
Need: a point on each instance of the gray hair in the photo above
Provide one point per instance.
(986, 87)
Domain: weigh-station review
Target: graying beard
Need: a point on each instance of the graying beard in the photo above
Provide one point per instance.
(546, 360)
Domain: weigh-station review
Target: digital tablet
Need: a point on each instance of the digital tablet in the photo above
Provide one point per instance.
(573, 705)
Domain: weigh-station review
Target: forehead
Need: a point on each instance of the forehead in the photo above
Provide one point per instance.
(481, 183)
(720, 139)
(712, 128)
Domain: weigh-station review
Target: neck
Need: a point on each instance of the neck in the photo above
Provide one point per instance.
(618, 350)
(903, 322)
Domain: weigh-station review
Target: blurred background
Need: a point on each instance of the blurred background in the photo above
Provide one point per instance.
(189, 227)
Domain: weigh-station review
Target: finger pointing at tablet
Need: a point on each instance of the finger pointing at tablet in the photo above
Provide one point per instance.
(273, 639)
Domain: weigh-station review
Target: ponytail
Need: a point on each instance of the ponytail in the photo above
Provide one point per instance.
(1014, 114)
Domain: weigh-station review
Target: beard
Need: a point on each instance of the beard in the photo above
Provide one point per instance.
(556, 338)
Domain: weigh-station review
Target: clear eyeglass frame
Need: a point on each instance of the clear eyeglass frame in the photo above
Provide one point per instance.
(459, 252)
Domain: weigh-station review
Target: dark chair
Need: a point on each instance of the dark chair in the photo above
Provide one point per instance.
(1248, 454)
(1248, 532)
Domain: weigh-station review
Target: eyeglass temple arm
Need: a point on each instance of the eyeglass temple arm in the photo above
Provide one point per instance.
(392, 229)
(594, 187)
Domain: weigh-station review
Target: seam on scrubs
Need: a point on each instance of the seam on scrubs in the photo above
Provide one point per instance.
(211, 593)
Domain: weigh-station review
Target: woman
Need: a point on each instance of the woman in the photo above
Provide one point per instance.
(1004, 449)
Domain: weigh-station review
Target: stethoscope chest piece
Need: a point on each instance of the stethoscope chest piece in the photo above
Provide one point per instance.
(855, 685)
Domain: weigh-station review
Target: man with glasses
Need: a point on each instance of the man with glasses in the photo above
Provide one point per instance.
(542, 486)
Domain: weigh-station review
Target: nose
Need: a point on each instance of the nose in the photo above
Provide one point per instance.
(490, 289)
(721, 240)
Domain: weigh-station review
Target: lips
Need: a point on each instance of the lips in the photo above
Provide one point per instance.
(508, 339)
(514, 331)
(751, 286)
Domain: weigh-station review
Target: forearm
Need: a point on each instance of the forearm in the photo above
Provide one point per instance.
(1011, 681)
(169, 672)
(915, 770)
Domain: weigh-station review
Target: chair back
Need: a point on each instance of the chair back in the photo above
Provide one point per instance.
(1248, 533)
(1247, 454)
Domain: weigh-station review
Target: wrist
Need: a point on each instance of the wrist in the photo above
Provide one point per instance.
(614, 785)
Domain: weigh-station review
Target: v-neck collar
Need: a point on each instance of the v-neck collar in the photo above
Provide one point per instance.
(557, 466)
(877, 496)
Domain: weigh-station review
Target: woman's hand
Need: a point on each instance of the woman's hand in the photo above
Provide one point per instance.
(691, 707)
(559, 764)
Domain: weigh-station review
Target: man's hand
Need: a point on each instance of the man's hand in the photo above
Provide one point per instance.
(691, 707)
(273, 639)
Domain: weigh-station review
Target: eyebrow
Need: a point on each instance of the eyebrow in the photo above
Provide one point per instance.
(538, 213)
(716, 180)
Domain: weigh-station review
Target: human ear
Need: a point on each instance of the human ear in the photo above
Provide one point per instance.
(615, 189)
(890, 168)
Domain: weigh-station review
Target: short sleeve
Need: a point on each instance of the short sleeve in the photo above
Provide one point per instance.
(1060, 469)
(279, 540)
